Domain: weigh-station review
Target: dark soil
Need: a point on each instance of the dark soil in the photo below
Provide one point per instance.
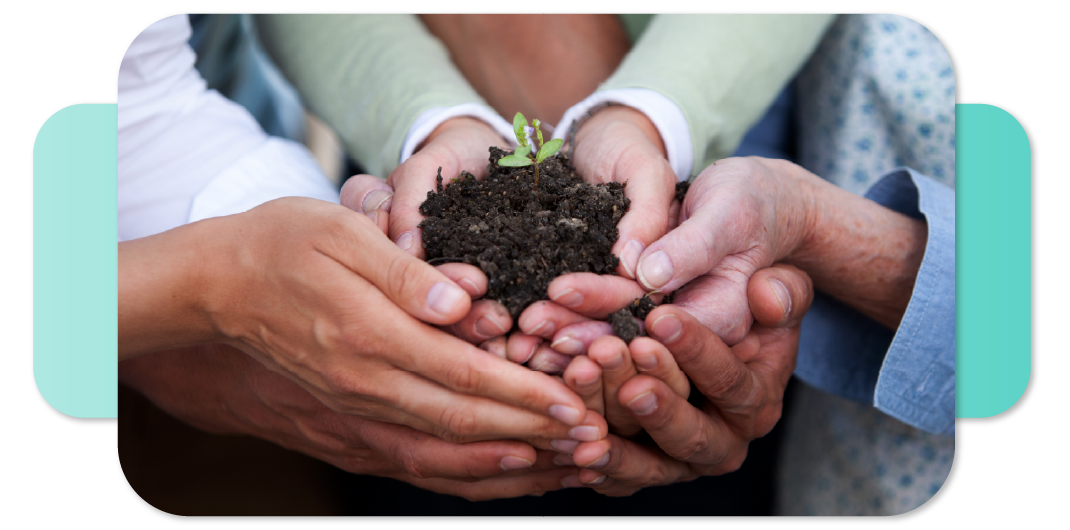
(523, 238)
(625, 323)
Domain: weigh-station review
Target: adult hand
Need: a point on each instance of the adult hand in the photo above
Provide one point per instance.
(742, 387)
(455, 145)
(312, 290)
(486, 319)
(620, 144)
(192, 383)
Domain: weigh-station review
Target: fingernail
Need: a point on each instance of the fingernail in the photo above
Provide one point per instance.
(644, 404)
(548, 364)
(629, 256)
(571, 481)
(487, 327)
(591, 379)
(564, 446)
(782, 295)
(667, 328)
(600, 462)
(568, 345)
(543, 329)
(597, 481)
(404, 241)
(374, 200)
(585, 433)
(510, 463)
(566, 414)
(374, 216)
(443, 297)
(612, 362)
(563, 460)
(645, 362)
(530, 355)
(469, 286)
(496, 347)
(655, 270)
(569, 298)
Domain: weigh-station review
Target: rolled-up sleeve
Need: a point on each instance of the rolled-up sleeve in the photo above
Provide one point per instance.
(908, 374)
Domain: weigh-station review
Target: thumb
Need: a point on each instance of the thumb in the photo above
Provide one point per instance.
(413, 285)
(370, 196)
(687, 252)
(780, 295)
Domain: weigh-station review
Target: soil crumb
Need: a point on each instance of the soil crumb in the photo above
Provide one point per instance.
(523, 238)
(626, 321)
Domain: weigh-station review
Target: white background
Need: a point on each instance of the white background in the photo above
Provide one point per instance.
(1010, 471)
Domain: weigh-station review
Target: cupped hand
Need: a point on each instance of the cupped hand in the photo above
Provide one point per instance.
(620, 144)
(486, 320)
(192, 383)
(742, 389)
(315, 292)
(458, 144)
(740, 215)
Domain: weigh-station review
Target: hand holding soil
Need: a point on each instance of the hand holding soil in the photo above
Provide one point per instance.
(742, 391)
(338, 309)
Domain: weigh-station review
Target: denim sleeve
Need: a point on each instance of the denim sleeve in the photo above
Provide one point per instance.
(908, 374)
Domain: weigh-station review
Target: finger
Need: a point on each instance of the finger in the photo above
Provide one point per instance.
(780, 295)
(543, 318)
(468, 277)
(626, 466)
(680, 430)
(366, 194)
(575, 339)
(549, 361)
(593, 295)
(416, 287)
(497, 346)
(487, 319)
(692, 249)
(535, 483)
(706, 360)
(651, 185)
(652, 358)
(520, 348)
(423, 455)
(613, 356)
(584, 376)
(719, 302)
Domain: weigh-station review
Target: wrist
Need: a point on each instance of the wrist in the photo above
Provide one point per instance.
(601, 117)
(161, 288)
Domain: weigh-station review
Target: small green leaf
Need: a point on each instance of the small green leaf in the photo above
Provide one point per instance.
(538, 131)
(514, 161)
(549, 149)
(522, 151)
(519, 122)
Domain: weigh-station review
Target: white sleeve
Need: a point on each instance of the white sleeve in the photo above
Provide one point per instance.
(662, 112)
(186, 152)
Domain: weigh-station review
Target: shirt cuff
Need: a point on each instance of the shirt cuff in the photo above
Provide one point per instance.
(662, 112)
(429, 119)
(279, 168)
(917, 379)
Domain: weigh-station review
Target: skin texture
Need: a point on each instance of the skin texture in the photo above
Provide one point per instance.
(509, 59)
(334, 307)
(190, 384)
(742, 387)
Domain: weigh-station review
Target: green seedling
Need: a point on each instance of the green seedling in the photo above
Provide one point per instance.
(523, 155)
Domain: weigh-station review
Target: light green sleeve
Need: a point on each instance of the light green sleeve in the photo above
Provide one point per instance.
(723, 71)
(368, 76)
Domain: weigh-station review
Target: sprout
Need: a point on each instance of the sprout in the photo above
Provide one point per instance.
(523, 155)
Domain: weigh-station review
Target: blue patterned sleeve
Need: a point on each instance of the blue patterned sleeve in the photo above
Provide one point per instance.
(908, 374)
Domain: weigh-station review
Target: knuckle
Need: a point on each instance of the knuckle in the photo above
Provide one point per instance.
(464, 378)
(403, 275)
(459, 422)
(342, 382)
(728, 383)
(696, 445)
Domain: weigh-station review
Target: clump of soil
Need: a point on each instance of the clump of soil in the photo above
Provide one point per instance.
(624, 321)
(522, 238)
